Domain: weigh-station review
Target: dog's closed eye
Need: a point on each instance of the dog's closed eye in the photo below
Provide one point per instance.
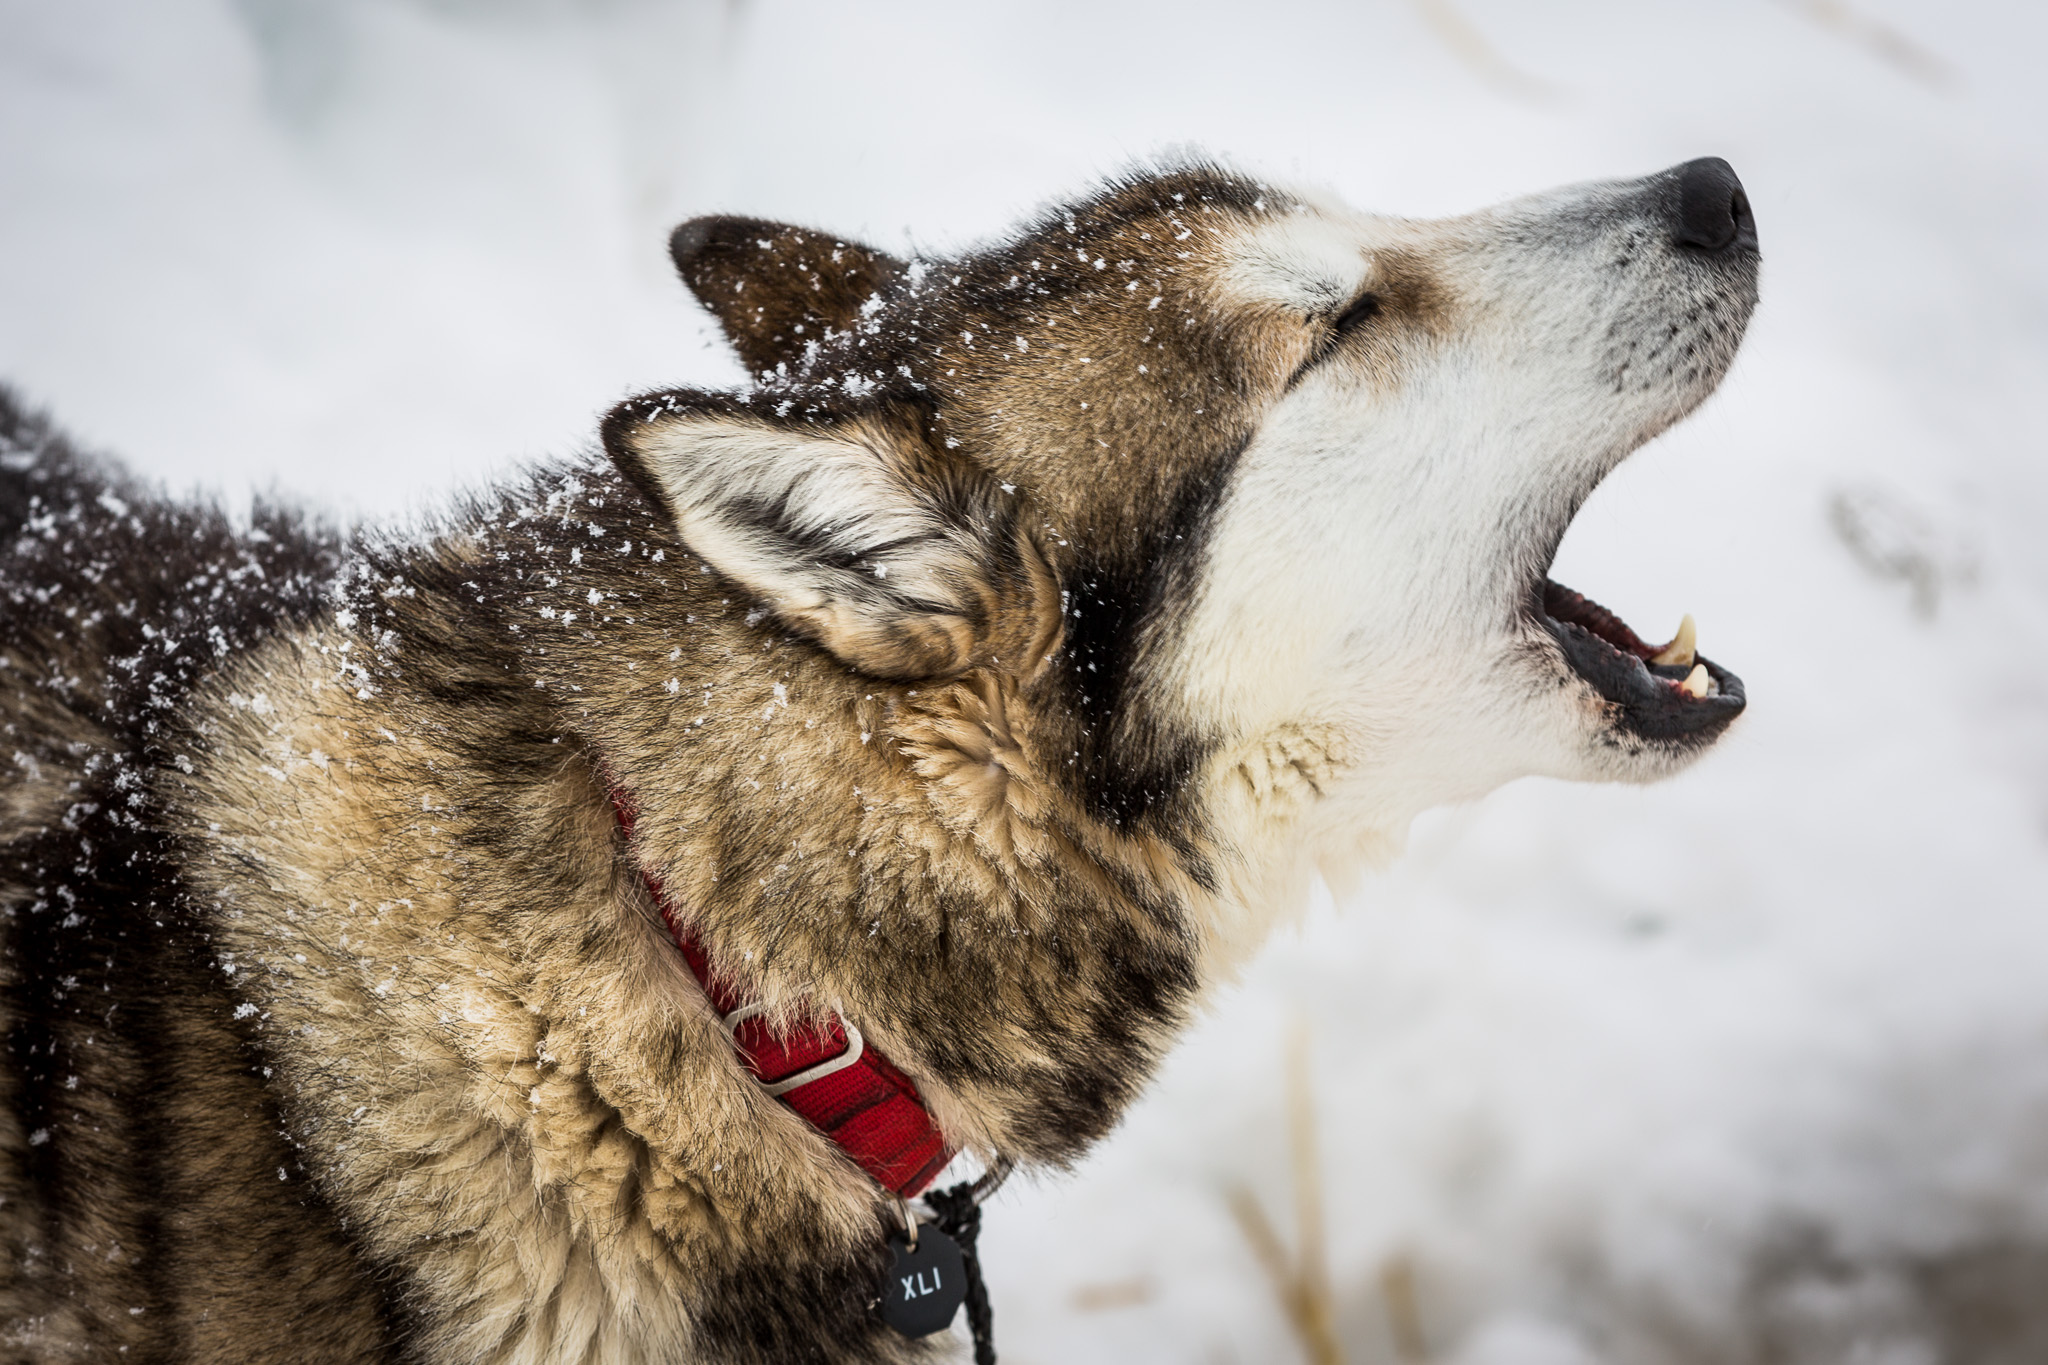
(1356, 314)
(1362, 310)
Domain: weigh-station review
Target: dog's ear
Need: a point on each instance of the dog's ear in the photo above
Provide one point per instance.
(858, 532)
(773, 287)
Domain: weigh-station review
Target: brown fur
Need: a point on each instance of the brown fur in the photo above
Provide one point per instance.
(381, 1049)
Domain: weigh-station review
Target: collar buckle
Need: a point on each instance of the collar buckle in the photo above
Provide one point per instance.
(855, 1046)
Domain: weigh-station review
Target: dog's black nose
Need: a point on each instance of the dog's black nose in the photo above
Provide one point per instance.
(1712, 212)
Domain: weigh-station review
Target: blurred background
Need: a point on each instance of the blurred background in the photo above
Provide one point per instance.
(1748, 1067)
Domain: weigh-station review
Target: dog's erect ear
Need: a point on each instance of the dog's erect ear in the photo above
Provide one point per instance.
(903, 560)
(773, 287)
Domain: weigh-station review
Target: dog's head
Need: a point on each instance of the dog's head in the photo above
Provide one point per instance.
(1255, 495)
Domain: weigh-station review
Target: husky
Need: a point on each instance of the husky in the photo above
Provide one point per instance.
(401, 932)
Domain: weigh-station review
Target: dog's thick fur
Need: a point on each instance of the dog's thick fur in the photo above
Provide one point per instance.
(994, 671)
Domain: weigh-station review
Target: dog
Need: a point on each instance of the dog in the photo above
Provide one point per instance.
(420, 947)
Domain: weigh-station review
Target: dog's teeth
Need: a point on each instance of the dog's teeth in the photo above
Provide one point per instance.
(1696, 682)
(1680, 650)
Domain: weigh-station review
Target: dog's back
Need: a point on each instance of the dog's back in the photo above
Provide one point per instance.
(140, 1155)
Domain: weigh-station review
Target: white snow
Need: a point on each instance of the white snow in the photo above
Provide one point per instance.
(1749, 1066)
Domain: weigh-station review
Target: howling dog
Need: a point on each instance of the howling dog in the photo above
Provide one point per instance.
(571, 935)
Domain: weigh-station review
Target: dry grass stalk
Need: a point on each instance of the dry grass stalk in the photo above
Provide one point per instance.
(1464, 39)
(1301, 1281)
(1404, 1315)
(1881, 39)
(1101, 1298)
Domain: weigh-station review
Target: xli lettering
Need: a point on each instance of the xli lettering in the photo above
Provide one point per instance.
(914, 1286)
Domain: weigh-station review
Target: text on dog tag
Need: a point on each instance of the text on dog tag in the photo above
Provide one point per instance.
(923, 1288)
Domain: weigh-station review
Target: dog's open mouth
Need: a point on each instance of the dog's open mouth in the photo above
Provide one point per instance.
(1663, 692)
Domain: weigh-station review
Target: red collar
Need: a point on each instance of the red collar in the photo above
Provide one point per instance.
(839, 1083)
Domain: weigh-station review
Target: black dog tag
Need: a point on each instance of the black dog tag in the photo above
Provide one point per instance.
(923, 1289)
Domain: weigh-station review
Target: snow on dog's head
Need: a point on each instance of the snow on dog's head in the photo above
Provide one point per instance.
(1297, 473)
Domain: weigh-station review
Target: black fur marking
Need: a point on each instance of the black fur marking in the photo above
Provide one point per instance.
(775, 1309)
(1135, 992)
(1135, 761)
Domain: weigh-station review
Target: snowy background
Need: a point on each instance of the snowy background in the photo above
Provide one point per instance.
(1749, 1067)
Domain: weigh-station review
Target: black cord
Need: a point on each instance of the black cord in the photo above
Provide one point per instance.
(959, 1217)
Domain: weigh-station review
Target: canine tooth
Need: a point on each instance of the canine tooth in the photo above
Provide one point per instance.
(1696, 682)
(1680, 650)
